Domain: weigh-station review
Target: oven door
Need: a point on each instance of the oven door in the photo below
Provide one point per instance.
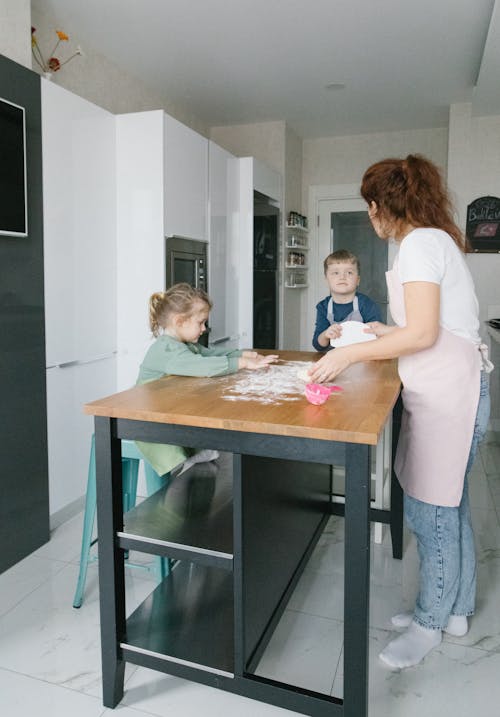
(186, 267)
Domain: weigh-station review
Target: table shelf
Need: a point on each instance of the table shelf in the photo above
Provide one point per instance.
(188, 618)
(190, 519)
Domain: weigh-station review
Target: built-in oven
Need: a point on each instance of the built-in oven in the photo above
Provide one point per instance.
(186, 261)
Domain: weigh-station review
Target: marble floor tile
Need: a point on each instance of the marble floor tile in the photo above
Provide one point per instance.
(453, 680)
(65, 541)
(50, 652)
(163, 695)
(22, 696)
(304, 650)
(45, 637)
(24, 577)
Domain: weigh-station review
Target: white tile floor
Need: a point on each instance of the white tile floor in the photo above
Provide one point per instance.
(50, 657)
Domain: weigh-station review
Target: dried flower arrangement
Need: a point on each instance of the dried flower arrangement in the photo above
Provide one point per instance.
(52, 64)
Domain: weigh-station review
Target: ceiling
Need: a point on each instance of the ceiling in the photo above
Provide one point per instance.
(228, 62)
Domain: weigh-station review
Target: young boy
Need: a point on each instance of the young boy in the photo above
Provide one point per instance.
(343, 303)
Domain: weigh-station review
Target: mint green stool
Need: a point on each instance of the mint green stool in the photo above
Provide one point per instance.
(131, 459)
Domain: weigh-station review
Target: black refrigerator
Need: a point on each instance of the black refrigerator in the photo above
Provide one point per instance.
(265, 275)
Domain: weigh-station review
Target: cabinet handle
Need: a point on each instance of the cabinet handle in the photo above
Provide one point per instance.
(68, 364)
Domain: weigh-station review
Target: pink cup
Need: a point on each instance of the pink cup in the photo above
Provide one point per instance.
(317, 394)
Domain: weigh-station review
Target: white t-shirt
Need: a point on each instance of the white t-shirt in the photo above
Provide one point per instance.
(432, 255)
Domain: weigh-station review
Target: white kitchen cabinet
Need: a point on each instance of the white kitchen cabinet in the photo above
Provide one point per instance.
(69, 429)
(219, 257)
(162, 190)
(140, 234)
(186, 181)
(78, 146)
(253, 177)
(79, 227)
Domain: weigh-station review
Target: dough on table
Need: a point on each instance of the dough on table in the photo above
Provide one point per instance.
(303, 372)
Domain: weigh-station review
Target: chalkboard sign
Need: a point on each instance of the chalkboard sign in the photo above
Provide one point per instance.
(483, 224)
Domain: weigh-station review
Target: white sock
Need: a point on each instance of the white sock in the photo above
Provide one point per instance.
(402, 620)
(457, 624)
(410, 648)
(201, 457)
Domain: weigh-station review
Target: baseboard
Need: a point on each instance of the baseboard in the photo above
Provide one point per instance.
(69, 511)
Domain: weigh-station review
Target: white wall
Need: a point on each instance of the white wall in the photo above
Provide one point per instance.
(474, 171)
(94, 77)
(263, 140)
(343, 160)
(15, 36)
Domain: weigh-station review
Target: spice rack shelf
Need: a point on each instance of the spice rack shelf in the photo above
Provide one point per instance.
(296, 248)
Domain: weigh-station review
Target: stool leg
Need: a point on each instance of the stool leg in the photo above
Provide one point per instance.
(153, 483)
(88, 526)
(130, 472)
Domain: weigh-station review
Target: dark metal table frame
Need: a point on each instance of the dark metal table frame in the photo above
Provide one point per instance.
(358, 515)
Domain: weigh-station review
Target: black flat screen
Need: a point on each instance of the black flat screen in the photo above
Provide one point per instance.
(13, 215)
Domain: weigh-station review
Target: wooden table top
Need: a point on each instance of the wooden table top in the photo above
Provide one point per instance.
(356, 415)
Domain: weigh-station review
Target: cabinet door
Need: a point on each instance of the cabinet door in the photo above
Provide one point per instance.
(141, 242)
(69, 429)
(186, 181)
(218, 238)
(79, 226)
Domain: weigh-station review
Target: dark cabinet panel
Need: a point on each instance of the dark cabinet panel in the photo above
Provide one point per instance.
(24, 508)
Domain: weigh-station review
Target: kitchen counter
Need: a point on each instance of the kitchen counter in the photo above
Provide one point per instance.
(249, 556)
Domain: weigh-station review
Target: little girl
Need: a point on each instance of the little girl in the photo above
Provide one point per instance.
(177, 318)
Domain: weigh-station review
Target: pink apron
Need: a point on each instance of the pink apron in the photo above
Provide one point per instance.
(440, 399)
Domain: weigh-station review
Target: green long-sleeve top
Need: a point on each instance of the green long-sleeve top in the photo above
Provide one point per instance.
(167, 357)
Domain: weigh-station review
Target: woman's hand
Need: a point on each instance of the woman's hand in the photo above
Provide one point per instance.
(328, 367)
(378, 328)
(249, 354)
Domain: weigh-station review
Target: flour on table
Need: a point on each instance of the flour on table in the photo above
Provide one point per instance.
(279, 382)
(303, 373)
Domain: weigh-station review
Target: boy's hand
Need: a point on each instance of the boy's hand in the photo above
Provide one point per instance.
(332, 332)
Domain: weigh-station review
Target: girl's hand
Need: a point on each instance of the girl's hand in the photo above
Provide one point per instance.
(328, 367)
(249, 354)
(266, 360)
(257, 362)
(378, 328)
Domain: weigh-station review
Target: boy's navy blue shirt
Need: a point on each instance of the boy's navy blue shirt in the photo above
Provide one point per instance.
(367, 308)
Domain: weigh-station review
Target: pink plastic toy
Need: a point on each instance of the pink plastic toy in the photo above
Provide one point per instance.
(317, 393)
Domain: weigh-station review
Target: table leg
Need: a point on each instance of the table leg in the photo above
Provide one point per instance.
(111, 569)
(356, 580)
(396, 490)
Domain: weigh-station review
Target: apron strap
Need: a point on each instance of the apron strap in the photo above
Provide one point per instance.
(329, 309)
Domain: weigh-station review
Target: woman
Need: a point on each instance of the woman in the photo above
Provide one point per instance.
(443, 368)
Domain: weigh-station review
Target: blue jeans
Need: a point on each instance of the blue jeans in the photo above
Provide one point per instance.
(445, 542)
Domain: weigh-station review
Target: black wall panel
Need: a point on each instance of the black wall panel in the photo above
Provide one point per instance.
(24, 502)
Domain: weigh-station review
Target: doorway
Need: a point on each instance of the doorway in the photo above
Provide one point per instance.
(344, 224)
